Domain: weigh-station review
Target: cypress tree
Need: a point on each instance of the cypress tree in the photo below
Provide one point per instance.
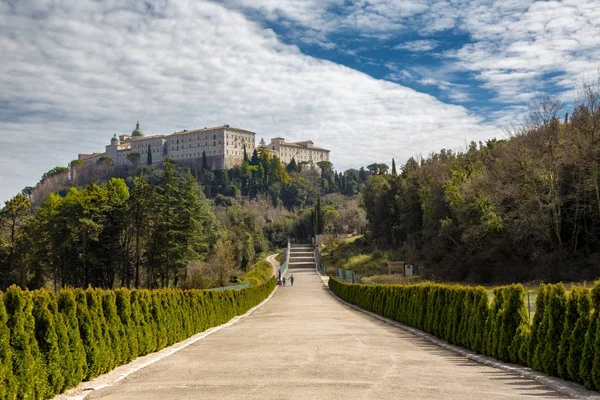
(101, 333)
(88, 335)
(67, 307)
(555, 316)
(571, 317)
(538, 330)
(588, 353)
(119, 343)
(394, 173)
(596, 363)
(513, 317)
(8, 389)
(205, 161)
(478, 324)
(149, 161)
(128, 329)
(28, 368)
(577, 337)
(494, 323)
(64, 345)
(47, 339)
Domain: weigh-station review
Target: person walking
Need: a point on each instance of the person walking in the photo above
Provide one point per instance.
(292, 279)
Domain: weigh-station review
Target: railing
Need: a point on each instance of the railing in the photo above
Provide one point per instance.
(236, 287)
(284, 266)
(318, 260)
(347, 275)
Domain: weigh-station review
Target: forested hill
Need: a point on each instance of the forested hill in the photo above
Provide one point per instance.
(178, 225)
(505, 210)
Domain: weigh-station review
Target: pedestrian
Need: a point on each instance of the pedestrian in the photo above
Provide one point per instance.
(292, 279)
(283, 281)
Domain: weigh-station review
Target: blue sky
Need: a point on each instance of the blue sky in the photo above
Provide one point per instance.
(369, 79)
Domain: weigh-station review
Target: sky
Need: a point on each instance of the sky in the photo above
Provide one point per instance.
(371, 80)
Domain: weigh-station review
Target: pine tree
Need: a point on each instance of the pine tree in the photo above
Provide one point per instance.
(394, 173)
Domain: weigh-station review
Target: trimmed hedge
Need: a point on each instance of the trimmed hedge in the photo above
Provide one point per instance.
(49, 343)
(562, 340)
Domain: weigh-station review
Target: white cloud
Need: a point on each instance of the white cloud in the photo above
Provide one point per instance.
(417, 45)
(515, 44)
(75, 73)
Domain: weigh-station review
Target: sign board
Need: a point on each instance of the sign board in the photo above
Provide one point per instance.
(395, 267)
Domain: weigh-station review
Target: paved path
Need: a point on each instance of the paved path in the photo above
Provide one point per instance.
(304, 344)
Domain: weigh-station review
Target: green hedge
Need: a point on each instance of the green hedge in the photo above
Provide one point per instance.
(562, 340)
(49, 343)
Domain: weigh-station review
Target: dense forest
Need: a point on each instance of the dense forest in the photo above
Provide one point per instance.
(178, 225)
(521, 208)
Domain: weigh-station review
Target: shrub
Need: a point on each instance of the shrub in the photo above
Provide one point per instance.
(7, 380)
(577, 336)
(555, 319)
(588, 353)
(76, 354)
(538, 330)
(563, 338)
(571, 317)
(28, 368)
(47, 339)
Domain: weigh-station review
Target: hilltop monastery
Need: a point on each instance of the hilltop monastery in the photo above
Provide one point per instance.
(223, 145)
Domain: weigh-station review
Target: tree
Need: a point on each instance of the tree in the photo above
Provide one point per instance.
(149, 161)
(394, 173)
(12, 217)
(204, 161)
(292, 166)
(140, 221)
(105, 160)
(134, 158)
(222, 262)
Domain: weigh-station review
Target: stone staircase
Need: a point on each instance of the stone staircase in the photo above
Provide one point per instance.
(301, 256)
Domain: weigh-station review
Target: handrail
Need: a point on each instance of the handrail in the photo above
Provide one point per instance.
(284, 266)
(234, 287)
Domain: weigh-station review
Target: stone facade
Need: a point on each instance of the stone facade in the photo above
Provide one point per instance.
(300, 151)
(223, 145)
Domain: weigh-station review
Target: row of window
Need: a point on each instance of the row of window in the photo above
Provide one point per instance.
(190, 138)
(196, 155)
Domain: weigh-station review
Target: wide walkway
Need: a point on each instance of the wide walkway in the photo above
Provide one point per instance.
(304, 344)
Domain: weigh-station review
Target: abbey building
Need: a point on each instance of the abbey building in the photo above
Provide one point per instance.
(222, 146)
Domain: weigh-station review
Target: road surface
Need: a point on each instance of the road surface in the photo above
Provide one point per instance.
(304, 344)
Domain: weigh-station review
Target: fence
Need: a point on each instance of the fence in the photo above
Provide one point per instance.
(235, 287)
(283, 267)
(347, 275)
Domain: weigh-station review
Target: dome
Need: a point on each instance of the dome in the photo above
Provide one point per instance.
(137, 132)
(114, 140)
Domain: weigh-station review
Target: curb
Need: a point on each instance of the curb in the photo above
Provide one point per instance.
(571, 389)
(113, 377)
